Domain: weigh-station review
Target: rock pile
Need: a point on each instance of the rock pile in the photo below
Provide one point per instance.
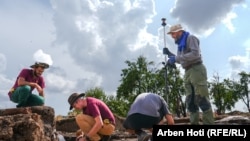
(39, 123)
(27, 124)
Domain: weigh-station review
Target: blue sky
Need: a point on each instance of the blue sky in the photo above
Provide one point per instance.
(87, 41)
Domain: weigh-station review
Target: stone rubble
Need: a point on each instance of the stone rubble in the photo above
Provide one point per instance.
(39, 123)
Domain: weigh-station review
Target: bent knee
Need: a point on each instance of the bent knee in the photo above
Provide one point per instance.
(204, 103)
(25, 88)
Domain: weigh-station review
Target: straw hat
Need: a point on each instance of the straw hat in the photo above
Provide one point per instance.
(175, 28)
(40, 64)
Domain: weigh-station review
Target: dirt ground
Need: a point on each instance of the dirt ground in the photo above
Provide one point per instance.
(128, 139)
(117, 136)
(121, 135)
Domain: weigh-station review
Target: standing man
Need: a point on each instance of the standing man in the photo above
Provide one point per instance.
(195, 78)
(96, 121)
(26, 82)
(147, 110)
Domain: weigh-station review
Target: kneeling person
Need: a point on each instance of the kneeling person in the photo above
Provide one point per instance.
(147, 110)
(97, 122)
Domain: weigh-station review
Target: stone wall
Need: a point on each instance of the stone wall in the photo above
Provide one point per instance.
(27, 124)
(39, 123)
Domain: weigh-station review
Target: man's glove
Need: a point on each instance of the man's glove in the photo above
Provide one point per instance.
(171, 60)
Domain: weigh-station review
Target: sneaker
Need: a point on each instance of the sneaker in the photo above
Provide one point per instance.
(143, 136)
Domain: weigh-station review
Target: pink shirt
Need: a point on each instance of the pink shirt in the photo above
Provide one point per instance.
(96, 107)
(28, 75)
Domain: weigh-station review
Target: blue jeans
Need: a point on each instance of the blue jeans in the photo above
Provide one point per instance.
(24, 97)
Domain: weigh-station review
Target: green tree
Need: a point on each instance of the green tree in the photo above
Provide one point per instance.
(222, 94)
(142, 76)
(243, 90)
(177, 93)
(118, 106)
(172, 89)
(135, 79)
(98, 93)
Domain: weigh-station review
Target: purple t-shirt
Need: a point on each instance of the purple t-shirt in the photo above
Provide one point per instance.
(96, 107)
(28, 75)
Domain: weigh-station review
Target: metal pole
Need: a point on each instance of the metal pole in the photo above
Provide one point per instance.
(165, 63)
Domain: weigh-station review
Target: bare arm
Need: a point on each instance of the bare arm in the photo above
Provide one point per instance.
(21, 82)
(170, 119)
(97, 126)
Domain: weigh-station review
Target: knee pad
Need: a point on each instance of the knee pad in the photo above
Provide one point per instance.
(191, 104)
(203, 103)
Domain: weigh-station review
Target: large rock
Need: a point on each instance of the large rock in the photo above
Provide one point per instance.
(27, 124)
(66, 125)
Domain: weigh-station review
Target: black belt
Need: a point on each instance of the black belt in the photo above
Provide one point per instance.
(190, 66)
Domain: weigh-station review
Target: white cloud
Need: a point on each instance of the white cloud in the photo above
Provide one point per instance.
(237, 61)
(200, 16)
(246, 44)
(3, 62)
(228, 21)
(240, 63)
(58, 83)
(100, 35)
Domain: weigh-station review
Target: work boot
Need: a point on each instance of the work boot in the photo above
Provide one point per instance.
(20, 105)
(208, 117)
(143, 136)
(194, 118)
